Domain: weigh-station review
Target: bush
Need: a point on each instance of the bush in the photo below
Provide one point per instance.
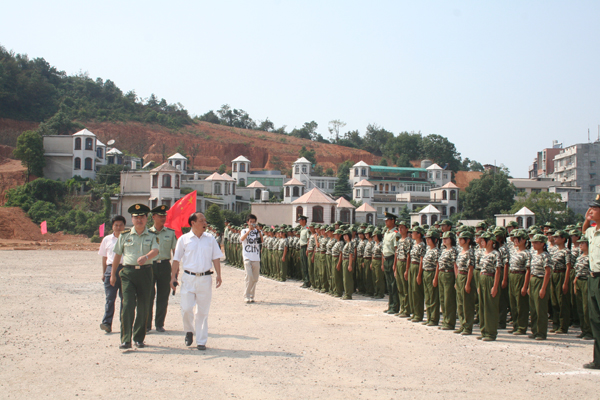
(96, 239)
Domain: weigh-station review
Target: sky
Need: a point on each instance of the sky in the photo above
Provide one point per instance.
(500, 79)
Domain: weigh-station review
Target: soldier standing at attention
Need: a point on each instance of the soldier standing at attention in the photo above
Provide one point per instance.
(541, 270)
(136, 247)
(559, 288)
(400, 269)
(360, 252)
(107, 252)
(414, 274)
(367, 257)
(347, 265)
(427, 273)
(304, 237)
(582, 273)
(446, 280)
(520, 265)
(592, 234)
(388, 251)
(465, 288)
(161, 268)
(377, 266)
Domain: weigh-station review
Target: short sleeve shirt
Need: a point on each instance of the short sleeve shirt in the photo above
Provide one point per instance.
(251, 245)
(491, 261)
(166, 242)
(368, 253)
(107, 248)
(377, 250)
(337, 248)
(430, 259)
(447, 259)
(417, 251)
(348, 249)
(389, 243)
(583, 266)
(560, 259)
(539, 263)
(520, 261)
(304, 236)
(133, 246)
(403, 248)
(196, 254)
(465, 260)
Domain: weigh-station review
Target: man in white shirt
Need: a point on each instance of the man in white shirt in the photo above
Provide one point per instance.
(251, 238)
(108, 255)
(196, 252)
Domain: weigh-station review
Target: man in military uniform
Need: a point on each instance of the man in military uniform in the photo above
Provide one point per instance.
(304, 236)
(402, 253)
(161, 268)
(388, 251)
(592, 234)
(137, 247)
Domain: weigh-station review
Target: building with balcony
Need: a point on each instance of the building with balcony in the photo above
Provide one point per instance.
(543, 163)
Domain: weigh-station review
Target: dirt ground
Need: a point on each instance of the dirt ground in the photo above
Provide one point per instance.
(292, 343)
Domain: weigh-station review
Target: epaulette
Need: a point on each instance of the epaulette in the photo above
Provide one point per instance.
(152, 232)
(172, 230)
(126, 231)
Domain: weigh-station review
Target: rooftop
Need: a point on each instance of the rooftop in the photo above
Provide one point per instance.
(165, 167)
(365, 208)
(177, 156)
(241, 159)
(343, 203)
(293, 182)
(84, 132)
(314, 196)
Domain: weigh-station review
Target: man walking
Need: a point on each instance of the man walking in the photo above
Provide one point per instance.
(251, 238)
(196, 252)
(107, 252)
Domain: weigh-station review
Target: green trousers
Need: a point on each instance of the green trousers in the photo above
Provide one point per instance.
(283, 267)
(161, 286)
(331, 263)
(304, 264)
(339, 277)
(476, 275)
(574, 311)
(136, 285)
(402, 285)
(416, 292)
(594, 309)
(326, 279)
(432, 298)
(519, 305)
(388, 269)
(369, 286)
(503, 303)
(311, 269)
(465, 303)
(489, 309)
(446, 283)
(561, 303)
(581, 298)
(538, 307)
(318, 271)
(378, 278)
(359, 275)
(348, 280)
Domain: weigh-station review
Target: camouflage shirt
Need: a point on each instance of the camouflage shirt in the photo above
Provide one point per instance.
(348, 249)
(539, 263)
(491, 261)
(465, 260)
(311, 243)
(403, 248)
(417, 251)
(330, 245)
(560, 259)
(337, 248)
(520, 261)
(377, 249)
(368, 253)
(430, 259)
(447, 259)
(583, 266)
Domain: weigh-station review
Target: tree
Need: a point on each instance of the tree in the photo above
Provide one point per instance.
(404, 214)
(489, 195)
(59, 124)
(334, 129)
(266, 125)
(222, 168)
(442, 151)
(308, 154)
(548, 207)
(214, 217)
(30, 150)
(376, 139)
(109, 174)
(383, 162)
(342, 185)
(471, 165)
(407, 146)
(308, 131)
(210, 117)
(329, 172)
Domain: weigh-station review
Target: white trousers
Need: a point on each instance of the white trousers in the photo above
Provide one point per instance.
(196, 291)
(252, 273)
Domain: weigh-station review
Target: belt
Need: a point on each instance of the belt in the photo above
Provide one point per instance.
(487, 274)
(561, 270)
(389, 257)
(582, 278)
(198, 273)
(323, 252)
(518, 272)
(345, 258)
(463, 272)
(415, 262)
(595, 274)
(161, 261)
(303, 245)
(137, 266)
(446, 270)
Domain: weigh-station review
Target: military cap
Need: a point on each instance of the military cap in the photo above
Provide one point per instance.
(596, 201)
(447, 222)
(338, 232)
(403, 223)
(415, 224)
(481, 224)
(425, 226)
(547, 225)
(539, 238)
(377, 231)
(160, 210)
(575, 232)
(465, 235)
(369, 230)
(569, 228)
(390, 216)
(138, 210)
(448, 235)
(579, 225)
(550, 231)
(535, 232)
(561, 233)
(338, 223)
(300, 217)
(514, 224)
(361, 231)
(488, 236)
(432, 234)
(583, 240)
(312, 225)
(330, 229)
(499, 231)
(419, 229)
(436, 223)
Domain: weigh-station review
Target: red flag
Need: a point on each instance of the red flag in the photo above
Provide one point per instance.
(44, 227)
(177, 216)
(101, 230)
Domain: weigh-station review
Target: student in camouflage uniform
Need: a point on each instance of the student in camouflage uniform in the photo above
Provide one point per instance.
(377, 265)
(445, 279)
(560, 295)
(575, 252)
(310, 248)
(520, 265)
(367, 258)
(539, 280)
(347, 266)
(337, 258)
(489, 288)
(465, 284)
(503, 249)
(403, 248)
(360, 252)
(282, 254)
(479, 251)
(414, 274)
(427, 273)
(580, 288)
(329, 262)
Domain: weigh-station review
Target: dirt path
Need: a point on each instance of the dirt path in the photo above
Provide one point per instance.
(292, 343)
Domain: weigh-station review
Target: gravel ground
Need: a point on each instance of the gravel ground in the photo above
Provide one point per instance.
(291, 343)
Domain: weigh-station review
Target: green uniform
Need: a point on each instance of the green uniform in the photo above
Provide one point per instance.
(388, 250)
(593, 236)
(538, 307)
(432, 297)
(378, 277)
(503, 301)
(520, 263)
(465, 301)
(402, 252)
(136, 282)
(489, 310)
(446, 283)
(368, 273)
(311, 263)
(348, 275)
(303, 241)
(415, 290)
(161, 271)
(561, 302)
(582, 274)
(336, 251)
(360, 252)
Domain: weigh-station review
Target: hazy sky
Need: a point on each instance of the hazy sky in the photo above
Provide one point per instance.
(500, 79)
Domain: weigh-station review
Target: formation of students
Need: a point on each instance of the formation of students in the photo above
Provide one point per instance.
(439, 275)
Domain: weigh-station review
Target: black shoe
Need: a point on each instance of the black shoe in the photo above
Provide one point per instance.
(189, 338)
(201, 347)
(106, 328)
(139, 345)
(591, 366)
(160, 329)
(148, 330)
(126, 345)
